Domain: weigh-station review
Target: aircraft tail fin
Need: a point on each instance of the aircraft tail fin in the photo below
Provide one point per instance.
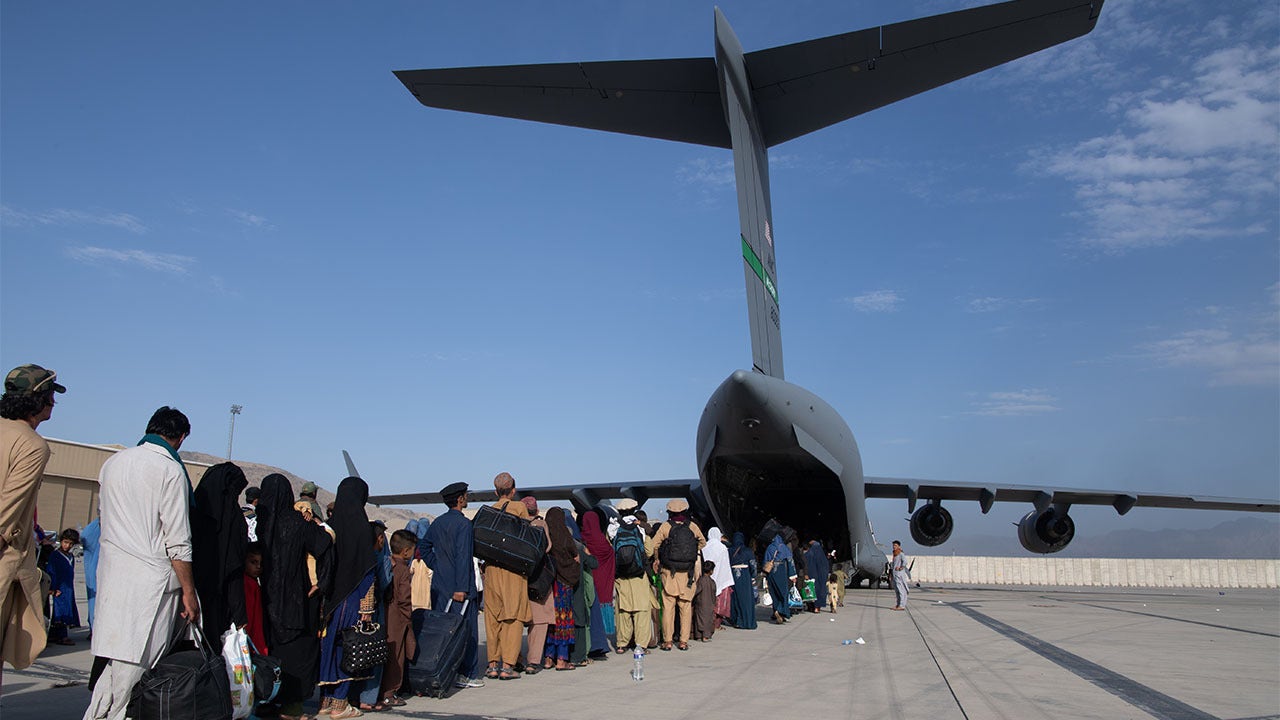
(351, 467)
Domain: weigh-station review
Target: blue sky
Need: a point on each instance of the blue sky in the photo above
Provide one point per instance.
(1064, 271)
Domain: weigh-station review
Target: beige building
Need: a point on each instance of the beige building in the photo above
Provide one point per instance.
(69, 492)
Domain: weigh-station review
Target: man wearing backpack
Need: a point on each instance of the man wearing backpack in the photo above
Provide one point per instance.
(632, 597)
(676, 548)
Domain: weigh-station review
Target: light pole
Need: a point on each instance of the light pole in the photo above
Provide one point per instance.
(231, 434)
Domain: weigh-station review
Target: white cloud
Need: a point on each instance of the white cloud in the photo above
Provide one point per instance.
(1195, 157)
(1032, 401)
(996, 304)
(875, 301)
(158, 262)
(707, 173)
(248, 218)
(62, 217)
(1251, 359)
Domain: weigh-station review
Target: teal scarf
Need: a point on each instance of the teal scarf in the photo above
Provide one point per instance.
(157, 440)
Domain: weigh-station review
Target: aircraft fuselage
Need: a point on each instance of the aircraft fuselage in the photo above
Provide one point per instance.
(769, 449)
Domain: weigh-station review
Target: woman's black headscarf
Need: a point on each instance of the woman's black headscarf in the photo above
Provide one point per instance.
(219, 538)
(284, 535)
(353, 542)
(564, 551)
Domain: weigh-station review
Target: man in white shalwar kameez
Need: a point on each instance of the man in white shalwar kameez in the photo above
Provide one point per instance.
(144, 568)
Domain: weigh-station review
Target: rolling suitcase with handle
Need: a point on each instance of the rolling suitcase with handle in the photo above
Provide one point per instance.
(441, 645)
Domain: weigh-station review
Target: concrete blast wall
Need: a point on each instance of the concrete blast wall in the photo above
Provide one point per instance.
(1097, 572)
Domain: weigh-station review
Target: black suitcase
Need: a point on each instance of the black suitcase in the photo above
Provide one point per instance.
(507, 541)
(441, 645)
(771, 528)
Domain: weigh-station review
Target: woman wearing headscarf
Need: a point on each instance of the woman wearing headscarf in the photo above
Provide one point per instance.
(594, 523)
(780, 569)
(742, 608)
(815, 559)
(293, 612)
(219, 538)
(542, 614)
(584, 595)
(564, 553)
(352, 597)
(717, 552)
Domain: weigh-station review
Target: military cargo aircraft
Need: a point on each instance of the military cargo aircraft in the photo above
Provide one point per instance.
(767, 448)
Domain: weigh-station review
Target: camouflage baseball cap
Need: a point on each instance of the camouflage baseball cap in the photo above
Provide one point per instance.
(32, 379)
(308, 488)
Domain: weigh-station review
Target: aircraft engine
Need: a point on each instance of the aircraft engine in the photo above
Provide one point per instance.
(1046, 531)
(931, 525)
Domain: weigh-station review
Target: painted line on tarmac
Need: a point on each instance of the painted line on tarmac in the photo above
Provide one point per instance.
(1131, 691)
(1166, 617)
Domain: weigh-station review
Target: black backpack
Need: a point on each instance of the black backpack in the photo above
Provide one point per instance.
(628, 552)
(680, 550)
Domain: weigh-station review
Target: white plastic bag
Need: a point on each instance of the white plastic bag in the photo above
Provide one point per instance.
(235, 652)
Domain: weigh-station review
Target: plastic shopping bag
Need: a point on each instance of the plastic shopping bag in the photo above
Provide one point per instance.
(235, 652)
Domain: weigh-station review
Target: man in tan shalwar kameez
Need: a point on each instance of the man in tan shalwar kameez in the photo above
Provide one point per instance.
(27, 402)
(506, 597)
(677, 587)
(633, 597)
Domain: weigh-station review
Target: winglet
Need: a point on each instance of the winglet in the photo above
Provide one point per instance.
(351, 467)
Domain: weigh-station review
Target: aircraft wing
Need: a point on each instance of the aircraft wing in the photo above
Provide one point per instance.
(914, 490)
(809, 85)
(676, 99)
(582, 496)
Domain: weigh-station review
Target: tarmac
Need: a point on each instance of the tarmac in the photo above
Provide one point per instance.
(964, 652)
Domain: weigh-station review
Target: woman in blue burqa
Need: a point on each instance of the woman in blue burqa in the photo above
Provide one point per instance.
(742, 609)
(353, 597)
(779, 567)
(819, 567)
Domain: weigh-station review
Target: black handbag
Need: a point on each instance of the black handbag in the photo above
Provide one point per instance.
(184, 685)
(266, 675)
(542, 580)
(364, 646)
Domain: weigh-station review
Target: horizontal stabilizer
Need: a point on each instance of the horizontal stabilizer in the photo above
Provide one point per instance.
(640, 491)
(669, 99)
(810, 85)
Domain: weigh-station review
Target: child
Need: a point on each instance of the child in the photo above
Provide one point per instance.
(253, 607)
(833, 591)
(704, 604)
(62, 590)
(401, 643)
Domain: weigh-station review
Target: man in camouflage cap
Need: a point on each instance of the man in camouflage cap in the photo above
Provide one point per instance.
(27, 402)
(308, 493)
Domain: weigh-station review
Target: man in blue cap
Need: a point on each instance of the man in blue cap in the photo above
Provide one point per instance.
(449, 549)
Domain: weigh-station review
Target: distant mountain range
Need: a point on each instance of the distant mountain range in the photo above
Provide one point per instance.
(1246, 538)
(395, 518)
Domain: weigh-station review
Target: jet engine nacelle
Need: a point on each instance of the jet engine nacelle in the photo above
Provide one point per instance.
(931, 525)
(1046, 531)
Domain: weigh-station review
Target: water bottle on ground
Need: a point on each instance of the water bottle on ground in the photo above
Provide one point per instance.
(637, 670)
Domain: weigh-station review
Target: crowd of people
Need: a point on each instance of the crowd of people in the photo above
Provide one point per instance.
(162, 556)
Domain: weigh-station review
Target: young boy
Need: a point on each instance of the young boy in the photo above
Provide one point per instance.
(253, 607)
(833, 591)
(401, 643)
(62, 590)
(704, 604)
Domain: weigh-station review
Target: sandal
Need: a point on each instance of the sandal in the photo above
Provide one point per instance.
(351, 712)
(621, 651)
(492, 672)
(392, 701)
(366, 707)
(666, 647)
(683, 646)
(565, 668)
(508, 674)
(532, 669)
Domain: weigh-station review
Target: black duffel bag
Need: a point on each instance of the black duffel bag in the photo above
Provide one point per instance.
(184, 685)
(364, 646)
(507, 541)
